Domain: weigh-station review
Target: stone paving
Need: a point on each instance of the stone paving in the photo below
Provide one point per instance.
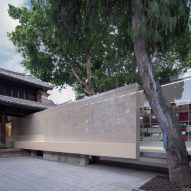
(32, 174)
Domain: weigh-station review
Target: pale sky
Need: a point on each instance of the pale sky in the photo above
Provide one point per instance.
(10, 59)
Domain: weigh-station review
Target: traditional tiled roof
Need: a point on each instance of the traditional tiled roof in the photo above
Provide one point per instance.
(6, 100)
(25, 78)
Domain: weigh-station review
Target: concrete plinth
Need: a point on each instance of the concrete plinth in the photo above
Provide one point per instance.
(33, 154)
(75, 159)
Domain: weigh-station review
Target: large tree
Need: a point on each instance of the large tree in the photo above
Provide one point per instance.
(152, 31)
(79, 51)
(168, 20)
(82, 57)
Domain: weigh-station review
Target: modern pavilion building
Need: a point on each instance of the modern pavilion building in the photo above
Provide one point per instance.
(117, 125)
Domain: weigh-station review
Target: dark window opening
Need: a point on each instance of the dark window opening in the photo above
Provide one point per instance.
(15, 92)
(8, 91)
(33, 96)
(2, 90)
(27, 96)
(21, 93)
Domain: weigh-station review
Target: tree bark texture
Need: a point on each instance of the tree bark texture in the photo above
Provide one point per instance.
(89, 82)
(86, 86)
(177, 156)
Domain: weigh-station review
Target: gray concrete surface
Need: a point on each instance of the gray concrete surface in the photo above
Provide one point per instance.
(81, 160)
(32, 174)
(106, 124)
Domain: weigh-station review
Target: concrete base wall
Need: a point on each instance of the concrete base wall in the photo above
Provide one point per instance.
(81, 160)
(33, 154)
(120, 150)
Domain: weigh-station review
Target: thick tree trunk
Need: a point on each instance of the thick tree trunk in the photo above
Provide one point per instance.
(177, 156)
(87, 89)
(89, 82)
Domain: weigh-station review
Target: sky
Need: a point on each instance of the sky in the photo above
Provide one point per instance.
(10, 59)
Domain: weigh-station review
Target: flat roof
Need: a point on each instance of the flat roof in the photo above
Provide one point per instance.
(25, 78)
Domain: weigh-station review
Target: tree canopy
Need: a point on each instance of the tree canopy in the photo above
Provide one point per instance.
(88, 44)
(86, 59)
(167, 26)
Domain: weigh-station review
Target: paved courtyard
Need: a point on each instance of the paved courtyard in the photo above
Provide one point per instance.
(32, 174)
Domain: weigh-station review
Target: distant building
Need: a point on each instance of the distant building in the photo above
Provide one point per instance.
(20, 95)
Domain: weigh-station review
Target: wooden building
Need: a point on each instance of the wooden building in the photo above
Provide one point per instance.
(20, 95)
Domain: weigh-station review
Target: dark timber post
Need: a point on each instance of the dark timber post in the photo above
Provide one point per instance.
(3, 131)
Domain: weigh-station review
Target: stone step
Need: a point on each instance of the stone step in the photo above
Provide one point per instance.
(12, 152)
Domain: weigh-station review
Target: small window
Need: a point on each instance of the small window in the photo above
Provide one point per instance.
(15, 92)
(2, 90)
(32, 96)
(27, 95)
(8, 91)
(21, 93)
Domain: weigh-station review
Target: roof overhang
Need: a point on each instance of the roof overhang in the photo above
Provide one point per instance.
(25, 79)
(19, 107)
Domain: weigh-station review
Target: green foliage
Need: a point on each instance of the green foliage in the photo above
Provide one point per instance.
(53, 35)
(167, 28)
(167, 21)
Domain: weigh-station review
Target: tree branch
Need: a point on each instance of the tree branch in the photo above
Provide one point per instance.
(81, 82)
